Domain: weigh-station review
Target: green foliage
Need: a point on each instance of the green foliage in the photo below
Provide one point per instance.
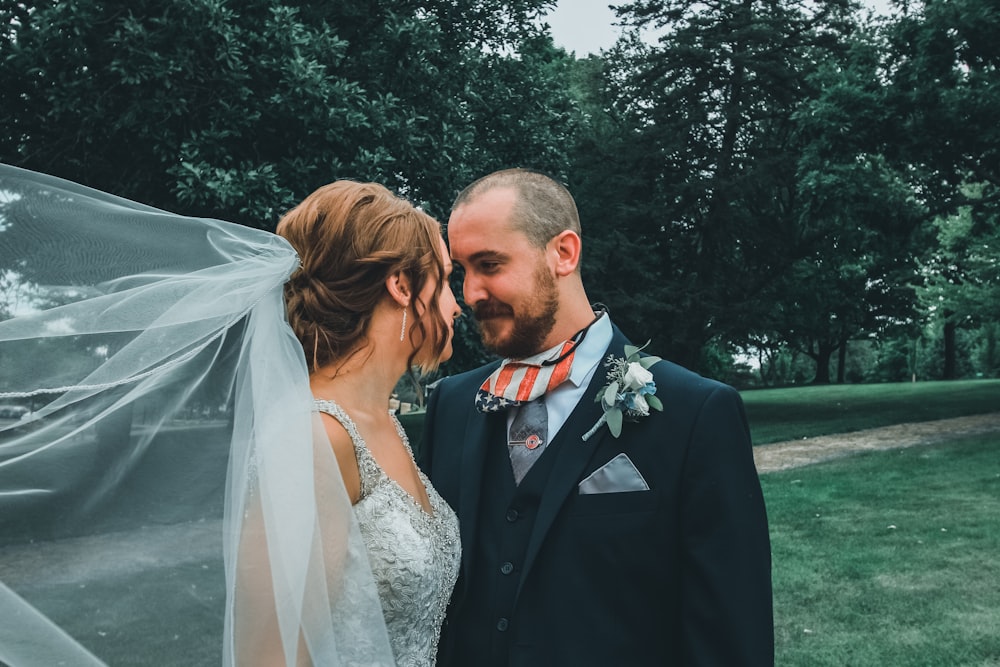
(941, 71)
(699, 159)
(776, 363)
(943, 94)
(962, 270)
(986, 350)
(723, 362)
(758, 169)
(880, 559)
(859, 220)
(777, 178)
(899, 356)
(894, 359)
(239, 110)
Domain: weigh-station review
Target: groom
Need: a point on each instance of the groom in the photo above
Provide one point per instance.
(643, 543)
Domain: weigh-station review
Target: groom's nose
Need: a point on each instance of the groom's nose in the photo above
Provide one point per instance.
(473, 289)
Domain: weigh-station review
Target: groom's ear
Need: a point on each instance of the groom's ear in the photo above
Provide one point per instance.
(565, 248)
(398, 287)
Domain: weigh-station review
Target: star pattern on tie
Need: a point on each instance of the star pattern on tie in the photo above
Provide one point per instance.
(487, 402)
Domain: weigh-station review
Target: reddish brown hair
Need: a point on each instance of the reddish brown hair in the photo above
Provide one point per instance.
(351, 237)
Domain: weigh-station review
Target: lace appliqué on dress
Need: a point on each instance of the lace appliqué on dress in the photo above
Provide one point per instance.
(414, 554)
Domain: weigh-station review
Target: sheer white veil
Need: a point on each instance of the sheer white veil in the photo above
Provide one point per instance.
(167, 496)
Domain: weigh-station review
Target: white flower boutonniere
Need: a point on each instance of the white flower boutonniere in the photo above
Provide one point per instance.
(629, 393)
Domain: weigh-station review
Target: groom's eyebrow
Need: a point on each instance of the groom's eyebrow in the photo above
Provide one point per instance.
(488, 255)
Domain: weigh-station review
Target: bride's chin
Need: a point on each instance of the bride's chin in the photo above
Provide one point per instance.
(424, 359)
(446, 353)
(449, 347)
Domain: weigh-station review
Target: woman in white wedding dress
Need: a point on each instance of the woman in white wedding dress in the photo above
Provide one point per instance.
(209, 452)
(370, 301)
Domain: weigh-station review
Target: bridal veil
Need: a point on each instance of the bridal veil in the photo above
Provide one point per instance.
(167, 496)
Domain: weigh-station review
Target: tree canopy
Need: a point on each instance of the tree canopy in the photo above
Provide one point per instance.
(238, 110)
(776, 178)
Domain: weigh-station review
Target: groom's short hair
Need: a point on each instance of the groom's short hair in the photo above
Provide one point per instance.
(543, 209)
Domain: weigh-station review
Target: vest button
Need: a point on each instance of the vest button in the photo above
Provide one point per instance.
(502, 625)
(512, 515)
(507, 568)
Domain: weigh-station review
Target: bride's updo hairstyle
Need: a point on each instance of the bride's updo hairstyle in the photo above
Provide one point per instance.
(351, 237)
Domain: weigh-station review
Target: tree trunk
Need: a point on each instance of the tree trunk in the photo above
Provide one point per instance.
(822, 356)
(949, 350)
(841, 362)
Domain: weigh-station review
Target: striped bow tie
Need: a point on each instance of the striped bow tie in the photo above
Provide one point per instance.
(518, 381)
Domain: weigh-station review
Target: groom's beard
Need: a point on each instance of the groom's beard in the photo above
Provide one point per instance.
(527, 330)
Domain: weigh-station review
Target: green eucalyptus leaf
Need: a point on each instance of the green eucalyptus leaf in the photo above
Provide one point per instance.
(646, 362)
(614, 416)
(631, 351)
(654, 402)
(611, 393)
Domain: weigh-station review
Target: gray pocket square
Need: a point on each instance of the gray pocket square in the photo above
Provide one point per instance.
(616, 476)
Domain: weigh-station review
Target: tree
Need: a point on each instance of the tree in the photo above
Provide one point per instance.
(941, 68)
(944, 91)
(858, 213)
(961, 273)
(703, 162)
(238, 111)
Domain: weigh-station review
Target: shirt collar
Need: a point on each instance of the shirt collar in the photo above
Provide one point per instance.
(591, 350)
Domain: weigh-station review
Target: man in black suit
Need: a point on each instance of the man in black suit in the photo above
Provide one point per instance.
(634, 542)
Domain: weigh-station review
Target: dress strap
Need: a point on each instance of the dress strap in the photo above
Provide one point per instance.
(367, 466)
(333, 409)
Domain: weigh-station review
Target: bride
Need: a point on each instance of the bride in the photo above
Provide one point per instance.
(199, 462)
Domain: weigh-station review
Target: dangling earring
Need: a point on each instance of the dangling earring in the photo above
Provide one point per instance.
(402, 330)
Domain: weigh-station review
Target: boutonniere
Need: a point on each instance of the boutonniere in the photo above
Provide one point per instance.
(630, 391)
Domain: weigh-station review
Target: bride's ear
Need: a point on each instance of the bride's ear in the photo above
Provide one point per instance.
(398, 287)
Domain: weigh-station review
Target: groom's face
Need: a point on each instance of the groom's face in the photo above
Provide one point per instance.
(508, 282)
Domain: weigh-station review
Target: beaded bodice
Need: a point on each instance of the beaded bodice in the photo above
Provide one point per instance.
(414, 554)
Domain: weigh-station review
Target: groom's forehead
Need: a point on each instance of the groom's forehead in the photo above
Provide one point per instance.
(490, 209)
(468, 240)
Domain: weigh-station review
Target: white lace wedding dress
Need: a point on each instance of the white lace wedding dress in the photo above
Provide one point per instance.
(414, 554)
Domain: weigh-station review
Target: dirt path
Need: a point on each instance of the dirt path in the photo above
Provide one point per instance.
(796, 453)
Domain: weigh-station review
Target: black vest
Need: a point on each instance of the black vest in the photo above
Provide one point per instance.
(506, 517)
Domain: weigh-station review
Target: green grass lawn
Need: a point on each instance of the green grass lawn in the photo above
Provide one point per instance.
(889, 558)
(795, 412)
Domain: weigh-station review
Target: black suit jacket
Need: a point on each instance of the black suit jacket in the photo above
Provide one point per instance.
(677, 575)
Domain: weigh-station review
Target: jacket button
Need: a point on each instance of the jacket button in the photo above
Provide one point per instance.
(502, 624)
(507, 568)
(512, 515)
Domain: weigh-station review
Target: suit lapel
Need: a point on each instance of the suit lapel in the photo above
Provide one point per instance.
(573, 454)
(478, 431)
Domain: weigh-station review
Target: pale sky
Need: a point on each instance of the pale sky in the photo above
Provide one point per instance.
(585, 26)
